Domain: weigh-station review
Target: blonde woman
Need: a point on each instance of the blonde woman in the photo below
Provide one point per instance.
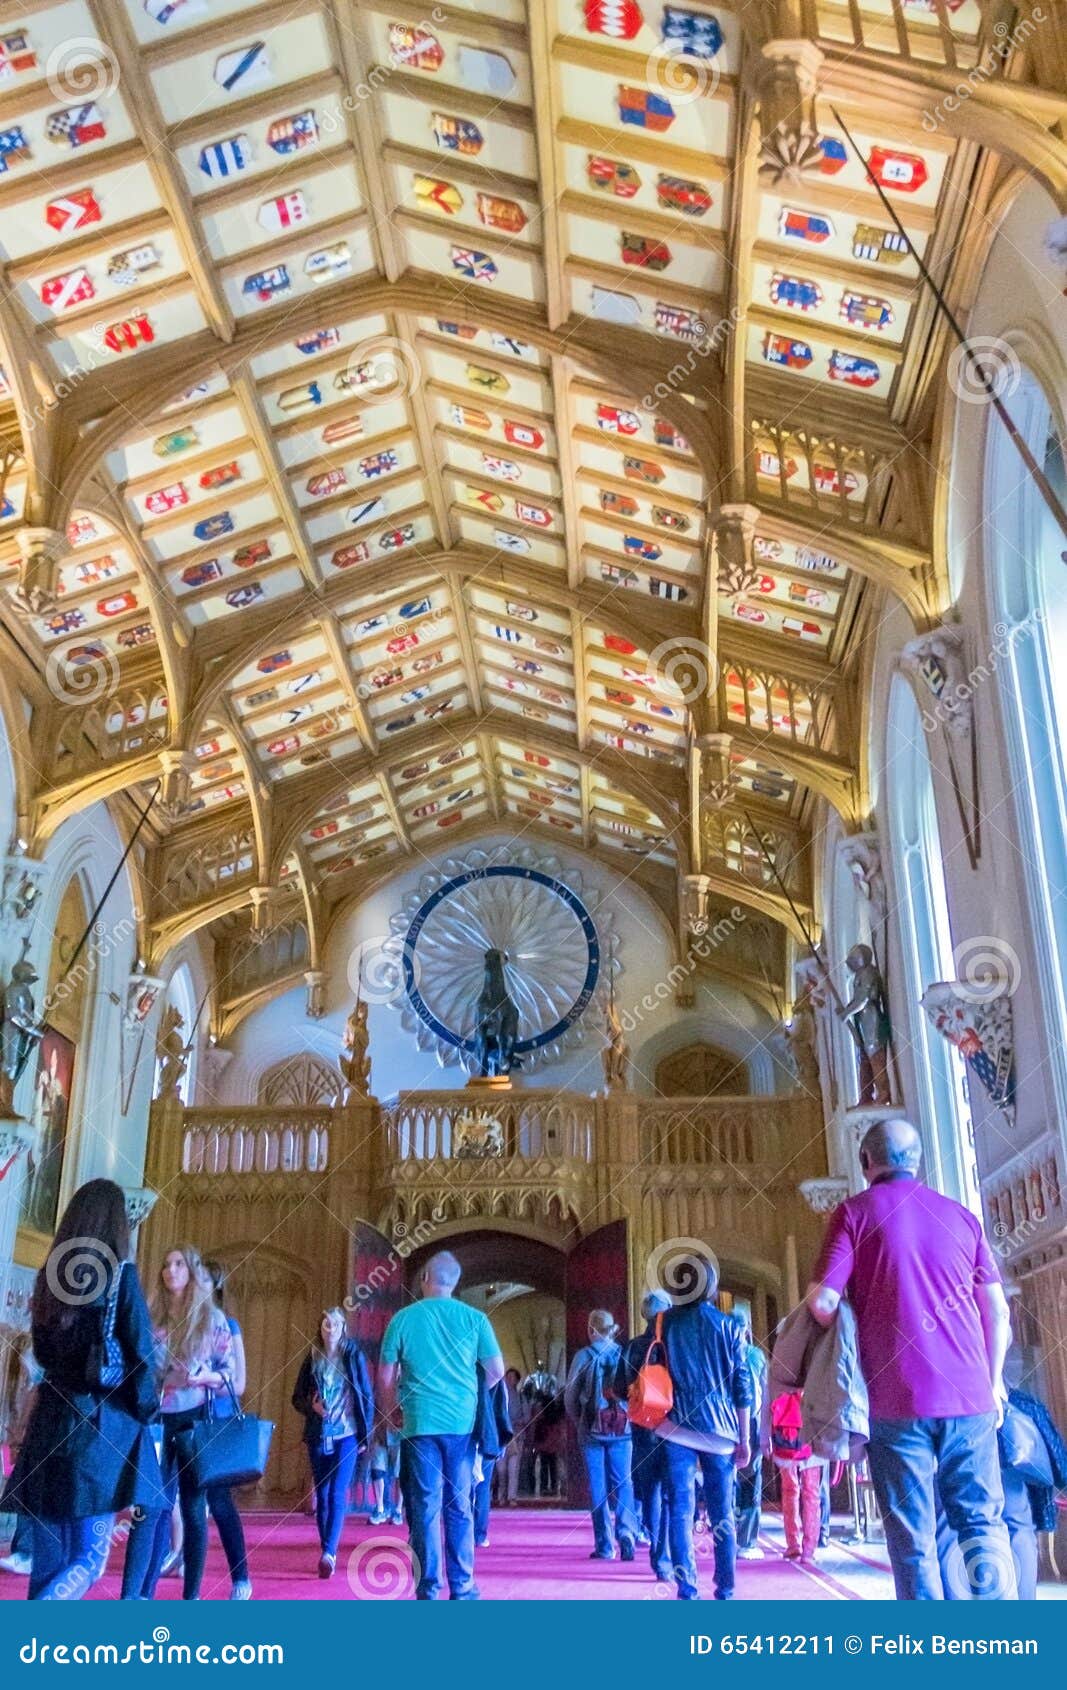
(195, 1363)
(333, 1393)
(604, 1438)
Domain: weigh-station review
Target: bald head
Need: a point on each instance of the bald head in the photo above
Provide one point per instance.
(441, 1275)
(890, 1147)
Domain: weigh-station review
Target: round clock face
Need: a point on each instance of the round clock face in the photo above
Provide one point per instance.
(545, 931)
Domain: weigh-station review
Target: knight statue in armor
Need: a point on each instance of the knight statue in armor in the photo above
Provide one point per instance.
(21, 1031)
(868, 1017)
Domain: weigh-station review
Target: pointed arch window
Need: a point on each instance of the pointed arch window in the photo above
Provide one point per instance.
(926, 950)
(1027, 579)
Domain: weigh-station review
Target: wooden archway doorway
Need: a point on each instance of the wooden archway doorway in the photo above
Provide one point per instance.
(593, 1273)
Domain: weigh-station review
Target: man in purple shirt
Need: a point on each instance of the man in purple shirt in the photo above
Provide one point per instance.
(933, 1332)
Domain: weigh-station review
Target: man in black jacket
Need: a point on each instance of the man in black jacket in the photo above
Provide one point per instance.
(707, 1428)
(648, 1452)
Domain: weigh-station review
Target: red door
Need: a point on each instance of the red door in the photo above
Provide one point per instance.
(598, 1277)
(375, 1292)
(375, 1287)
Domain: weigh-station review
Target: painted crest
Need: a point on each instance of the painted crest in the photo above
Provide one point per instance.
(610, 176)
(247, 67)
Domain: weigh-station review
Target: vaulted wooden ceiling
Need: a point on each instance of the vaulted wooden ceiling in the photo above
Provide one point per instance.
(421, 421)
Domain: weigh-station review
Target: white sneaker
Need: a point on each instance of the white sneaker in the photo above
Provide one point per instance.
(755, 1553)
(242, 1591)
(21, 1564)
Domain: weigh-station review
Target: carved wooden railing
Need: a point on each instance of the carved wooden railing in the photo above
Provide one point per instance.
(558, 1126)
(428, 1127)
(724, 1133)
(932, 33)
(262, 1141)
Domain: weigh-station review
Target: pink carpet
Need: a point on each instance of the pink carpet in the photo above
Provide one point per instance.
(539, 1555)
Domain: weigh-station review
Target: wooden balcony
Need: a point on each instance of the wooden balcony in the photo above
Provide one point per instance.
(528, 1154)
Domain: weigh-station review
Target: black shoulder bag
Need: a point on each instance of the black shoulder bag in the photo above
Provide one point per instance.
(232, 1451)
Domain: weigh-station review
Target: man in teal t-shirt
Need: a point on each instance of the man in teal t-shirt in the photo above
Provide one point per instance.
(437, 1344)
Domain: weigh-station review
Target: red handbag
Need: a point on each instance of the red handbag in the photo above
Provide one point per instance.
(651, 1396)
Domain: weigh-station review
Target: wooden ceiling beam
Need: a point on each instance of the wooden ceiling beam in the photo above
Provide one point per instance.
(629, 360)
(116, 33)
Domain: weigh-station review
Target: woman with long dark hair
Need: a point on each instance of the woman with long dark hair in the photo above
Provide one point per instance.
(194, 1349)
(88, 1450)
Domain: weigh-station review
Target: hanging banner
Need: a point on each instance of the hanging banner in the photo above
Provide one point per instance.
(142, 993)
(982, 1031)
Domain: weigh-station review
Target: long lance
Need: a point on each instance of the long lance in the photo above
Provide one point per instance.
(91, 923)
(1041, 480)
(802, 924)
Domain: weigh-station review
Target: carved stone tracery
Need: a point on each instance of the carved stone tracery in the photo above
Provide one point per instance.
(301, 1082)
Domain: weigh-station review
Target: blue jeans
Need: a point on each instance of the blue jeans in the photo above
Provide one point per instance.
(1019, 1519)
(649, 1468)
(148, 1542)
(906, 1457)
(749, 1503)
(482, 1500)
(717, 1472)
(68, 1557)
(435, 1477)
(607, 1462)
(333, 1480)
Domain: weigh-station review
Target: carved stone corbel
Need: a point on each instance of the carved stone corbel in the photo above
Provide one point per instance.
(861, 854)
(41, 552)
(315, 981)
(785, 79)
(738, 570)
(262, 898)
(936, 665)
(140, 1201)
(717, 779)
(22, 882)
(694, 891)
(176, 768)
(823, 1195)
